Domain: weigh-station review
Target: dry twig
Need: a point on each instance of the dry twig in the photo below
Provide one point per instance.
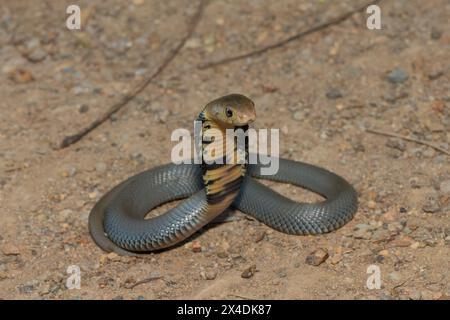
(69, 140)
(150, 279)
(395, 135)
(295, 37)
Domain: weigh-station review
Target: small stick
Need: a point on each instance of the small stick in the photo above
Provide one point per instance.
(131, 286)
(69, 140)
(395, 135)
(281, 43)
(404, 282)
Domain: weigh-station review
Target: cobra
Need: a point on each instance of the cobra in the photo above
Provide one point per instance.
(117, 221)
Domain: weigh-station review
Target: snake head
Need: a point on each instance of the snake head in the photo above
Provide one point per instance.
(234, 110)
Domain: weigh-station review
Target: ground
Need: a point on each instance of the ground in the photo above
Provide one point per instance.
(323, 91)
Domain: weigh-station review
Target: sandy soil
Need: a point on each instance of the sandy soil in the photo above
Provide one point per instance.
(321, 91)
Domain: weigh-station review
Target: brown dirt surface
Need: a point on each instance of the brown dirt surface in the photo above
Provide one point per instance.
(55, 81)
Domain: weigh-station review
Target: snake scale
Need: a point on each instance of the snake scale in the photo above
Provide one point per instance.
(117, 222)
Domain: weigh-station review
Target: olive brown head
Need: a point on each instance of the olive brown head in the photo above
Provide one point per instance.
(233, 110)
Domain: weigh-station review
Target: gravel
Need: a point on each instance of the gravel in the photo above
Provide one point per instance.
(49, 110)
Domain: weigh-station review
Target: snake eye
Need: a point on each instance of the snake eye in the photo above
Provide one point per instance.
(229, 112)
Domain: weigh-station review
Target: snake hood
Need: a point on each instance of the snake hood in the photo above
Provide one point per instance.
(233, 110)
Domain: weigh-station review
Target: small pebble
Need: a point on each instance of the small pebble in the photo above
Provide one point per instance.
(416, 245)
(417, 183)
(298, 115)
(69, 172)
(193, 43)
(64, 215)
(334, 94)
(163, 115)
(222, 254)
(20, 76)
(9, 249)
(435, 34)
(37, 55)
(402, 242)
(435, 74)
(83, 108)
(281, 273)
(140, 72)
(209, 275)
(394, 276)
(395, 226)
(390, 215)
(385, 296)
(196, 247)
(381, 236)
(45, 289)
(429, 295)
(112, 256)
(317, 257)
(27, 288)
(362, 231)
(397, 76)
(93, 194)
(100, 167)
(445, 187)
(431, 205)
(415, 295)
(249, 272)
(260, 236)
(335, 259)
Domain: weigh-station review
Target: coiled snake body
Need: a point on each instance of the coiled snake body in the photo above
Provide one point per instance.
(117, 222)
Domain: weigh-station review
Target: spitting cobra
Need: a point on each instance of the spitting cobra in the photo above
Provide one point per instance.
(117, 221)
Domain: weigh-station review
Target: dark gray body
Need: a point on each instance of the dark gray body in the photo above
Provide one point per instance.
(117, 222)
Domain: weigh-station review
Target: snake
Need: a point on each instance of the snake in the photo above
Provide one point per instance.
(117, 222)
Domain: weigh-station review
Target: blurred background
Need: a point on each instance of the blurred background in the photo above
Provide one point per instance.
(323, 91)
